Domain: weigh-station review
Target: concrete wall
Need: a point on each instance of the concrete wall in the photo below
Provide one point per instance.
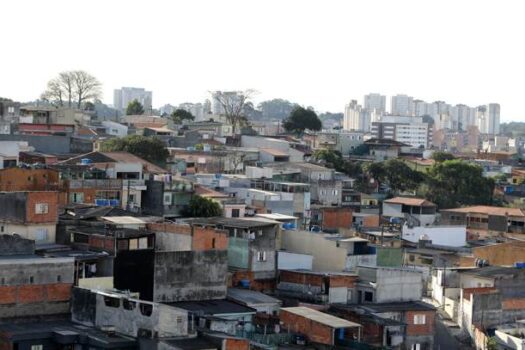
(294, 261)
(392, 285)
(327, 256)
(44, 144)
(353, 261)
(190, 275)
(453, 236)
(15, 245)
(128, 315)
(35, 286)
(167, 241)
(33, 232)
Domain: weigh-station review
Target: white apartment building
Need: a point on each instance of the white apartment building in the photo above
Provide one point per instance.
(122, 97)
(401, 105)
(375, 102)
(488, 119)
(409, 130)
(199, 110)
(356, 118)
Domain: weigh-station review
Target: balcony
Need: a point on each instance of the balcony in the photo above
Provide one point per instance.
(106, 184)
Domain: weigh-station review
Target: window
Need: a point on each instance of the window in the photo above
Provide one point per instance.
(261, 256)
(31, 280)
(111, 302)
(419, 319)
(213, 243)
(369, 296)
(41, 208)
(415, 347)
(411, 258)
(41, 234)
(236, 213)
(59, 278)
(2, 228)
(167, 198)
(76, 197)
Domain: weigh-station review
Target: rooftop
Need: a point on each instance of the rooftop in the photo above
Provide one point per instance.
(213, 307)
(275, 152)
(67, 329)
(235, 222)
(117, 157)
(488, 210)
(494, 271)
(392, 307)
(246, 296)
(419, 202)
(321, 317)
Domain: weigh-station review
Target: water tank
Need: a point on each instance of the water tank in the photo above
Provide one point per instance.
(244, 283)
(85, 161)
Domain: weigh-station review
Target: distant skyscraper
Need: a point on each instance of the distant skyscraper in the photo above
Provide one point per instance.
(375, 101)
(488, 119)
(196, 109)
(122, 97)
(401, 105)
(419, 108)
(356, 118)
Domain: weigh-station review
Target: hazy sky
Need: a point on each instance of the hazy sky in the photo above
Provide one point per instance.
(319, 53)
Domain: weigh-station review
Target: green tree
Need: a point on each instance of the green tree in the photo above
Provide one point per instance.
(301, 119)
(148, 148)
(442, 156)
(180, 115)
(454, 183)
(360, 150)
(276, 108)
(134, 108)
(400, 177)
(202, 207)
(396, 174)
(334, 158)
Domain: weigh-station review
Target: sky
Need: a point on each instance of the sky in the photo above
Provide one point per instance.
(317, 53)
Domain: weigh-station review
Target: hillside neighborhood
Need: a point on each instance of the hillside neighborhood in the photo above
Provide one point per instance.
(203, 227)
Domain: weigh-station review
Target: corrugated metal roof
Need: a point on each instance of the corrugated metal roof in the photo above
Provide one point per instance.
(320, 317)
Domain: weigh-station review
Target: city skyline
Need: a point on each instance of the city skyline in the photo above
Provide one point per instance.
(304, 63)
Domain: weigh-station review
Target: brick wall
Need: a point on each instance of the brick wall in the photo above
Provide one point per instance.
(19, 179)
(501, 254)
(203, 238)
(183, 229)
(49, 198)
(343, 281)
(371, 221)
(420, 329)
(208, 238)
(35, 293)
(313, 331)
(336, 217)
(301, 278)
(236, 344)
(257, 285)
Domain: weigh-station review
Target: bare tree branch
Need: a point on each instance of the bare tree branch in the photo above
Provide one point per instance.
(78, 86)
(232, 104)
